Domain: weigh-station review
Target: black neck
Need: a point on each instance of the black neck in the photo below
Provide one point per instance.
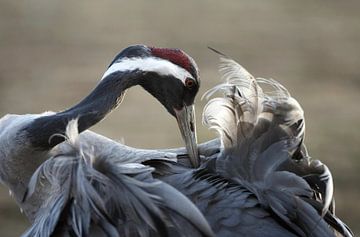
(92, 109)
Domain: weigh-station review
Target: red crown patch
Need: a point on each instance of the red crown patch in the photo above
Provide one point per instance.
(175, 56)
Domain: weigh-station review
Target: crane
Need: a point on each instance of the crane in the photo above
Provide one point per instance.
(262, 183)
(28, 148)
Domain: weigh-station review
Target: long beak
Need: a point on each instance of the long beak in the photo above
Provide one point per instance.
(186, 121)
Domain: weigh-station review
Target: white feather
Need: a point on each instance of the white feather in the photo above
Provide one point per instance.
(160, 66)
(245, 102)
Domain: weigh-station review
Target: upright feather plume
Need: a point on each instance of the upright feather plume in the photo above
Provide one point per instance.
(245, 114)
(262, 134)
(84, 195)
(239, 84)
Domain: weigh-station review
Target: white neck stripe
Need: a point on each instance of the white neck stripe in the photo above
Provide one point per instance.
(160, 66)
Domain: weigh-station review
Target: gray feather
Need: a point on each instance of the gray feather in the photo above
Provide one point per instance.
(87, 193)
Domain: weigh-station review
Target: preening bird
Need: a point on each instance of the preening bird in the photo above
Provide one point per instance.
(263, 182)
(27, 141)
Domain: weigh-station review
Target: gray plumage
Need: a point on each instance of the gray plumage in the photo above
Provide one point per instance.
(263, 183)
(19, 160)
(83, 194)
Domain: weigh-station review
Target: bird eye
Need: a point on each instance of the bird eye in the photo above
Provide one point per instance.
(189, 83)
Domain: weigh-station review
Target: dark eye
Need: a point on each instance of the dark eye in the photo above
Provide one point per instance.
(189, 83)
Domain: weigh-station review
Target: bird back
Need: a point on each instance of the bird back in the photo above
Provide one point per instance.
(95, 196)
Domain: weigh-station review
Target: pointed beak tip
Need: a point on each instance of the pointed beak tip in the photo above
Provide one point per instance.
(186, 121)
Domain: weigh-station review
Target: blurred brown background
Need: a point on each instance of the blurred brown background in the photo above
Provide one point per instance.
(52, 53)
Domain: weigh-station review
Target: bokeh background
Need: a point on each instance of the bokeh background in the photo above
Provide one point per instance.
(52, 53)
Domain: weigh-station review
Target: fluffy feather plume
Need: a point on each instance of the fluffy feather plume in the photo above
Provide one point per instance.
(95, 196)
(262, 134)
(239, 84)
(245, 106)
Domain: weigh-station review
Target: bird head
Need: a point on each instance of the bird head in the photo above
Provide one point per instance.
(171, 76)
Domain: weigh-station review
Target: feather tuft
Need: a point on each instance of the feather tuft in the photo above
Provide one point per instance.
(262, 129)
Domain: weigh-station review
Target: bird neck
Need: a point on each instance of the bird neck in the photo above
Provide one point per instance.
(93, 108)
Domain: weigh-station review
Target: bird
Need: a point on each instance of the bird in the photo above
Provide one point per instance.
(263, 181)
(258, 181)
(33, 145)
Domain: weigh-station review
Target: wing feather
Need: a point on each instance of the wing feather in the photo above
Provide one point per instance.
(85, 193)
